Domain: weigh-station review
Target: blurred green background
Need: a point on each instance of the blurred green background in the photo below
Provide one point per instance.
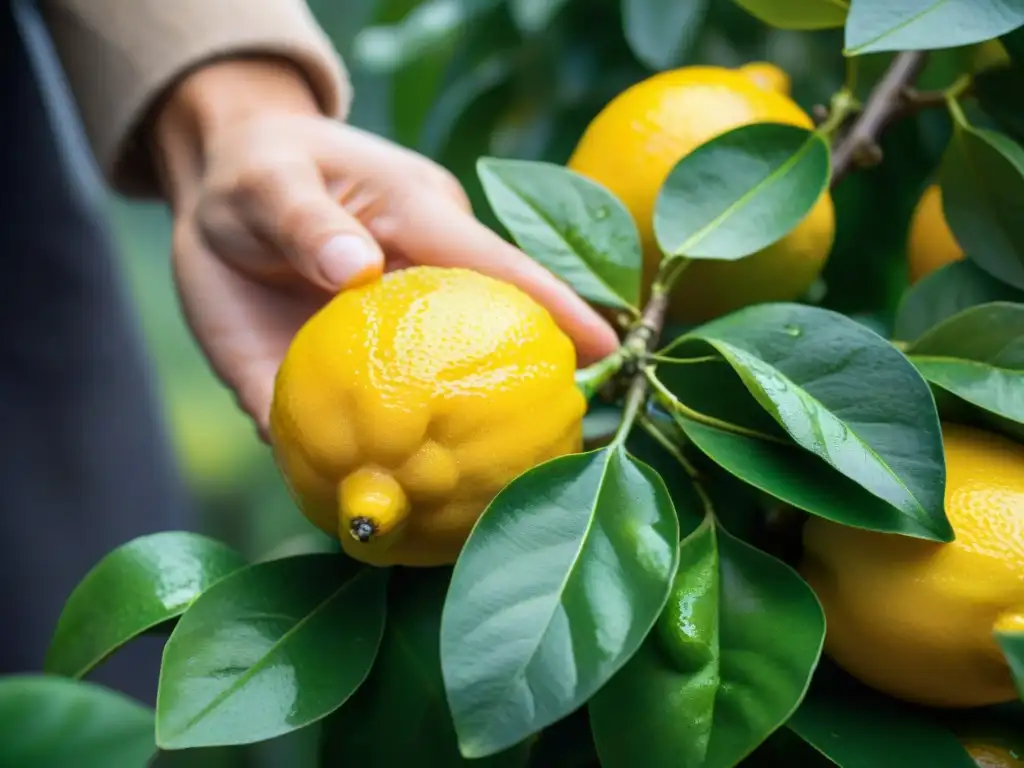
(456, 79)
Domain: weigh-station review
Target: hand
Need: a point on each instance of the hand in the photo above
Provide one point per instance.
(277, 208)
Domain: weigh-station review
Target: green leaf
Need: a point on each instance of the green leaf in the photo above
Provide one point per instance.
(138, 586)
(978, 357)
(921, 25)
(843, 393)
(990, 333)
(800, 479)
(741, 191)
(982, 179)
(660, 32)
(532, 16)
(560, 581)
(716, 676)
(1012, 644)
(53, 722)
(798, 14)
(268, 650)
(945, 292)
(997, 90)
(400, 717)
(571, 225)
(854, 727)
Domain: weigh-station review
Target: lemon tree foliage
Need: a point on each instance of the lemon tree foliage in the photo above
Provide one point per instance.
(777, 173)
(903, 25)
(715, 677)
(569, 224)
(138, 587)
(639, 601)
(55, 721)
(271, 648)
(558, 584)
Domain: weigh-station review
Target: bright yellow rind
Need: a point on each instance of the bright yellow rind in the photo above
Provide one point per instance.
(930, 243)
(915, 619)
(636, 140)
(413, 400)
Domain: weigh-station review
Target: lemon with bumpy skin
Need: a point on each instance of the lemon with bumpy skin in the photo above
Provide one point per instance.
(636, 140)
(915, 618)
(930, 243)
(405, 405)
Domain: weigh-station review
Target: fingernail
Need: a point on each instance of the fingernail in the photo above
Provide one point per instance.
(348, 260)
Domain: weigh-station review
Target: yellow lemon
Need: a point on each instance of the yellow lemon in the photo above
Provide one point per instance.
(993, 755)
(930, 244)
(405, 405)
(636, 140)
(914, 618)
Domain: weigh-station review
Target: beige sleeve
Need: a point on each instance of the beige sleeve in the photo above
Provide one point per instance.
(121, 55)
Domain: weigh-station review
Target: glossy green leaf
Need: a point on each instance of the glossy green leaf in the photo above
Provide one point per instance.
(945, 292)
(991, 333)
(1012, 644)
(798, 14)
(741, 191)
(268, 650)
(534, 15)
(571, 225)
(978, 357)
(400, 714)
(800, 479)
(856, 727)
(843, 393)
(53, 722)
(716, 676)
(982, 179)
(911, 25)
(141, 584)
(559, 583)
(659, 32)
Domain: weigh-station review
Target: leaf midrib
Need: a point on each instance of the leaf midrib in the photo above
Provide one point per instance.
(521, 671)
(529, 202)
(745, 198)
(902, 25)
(246, 676)
(868, 448)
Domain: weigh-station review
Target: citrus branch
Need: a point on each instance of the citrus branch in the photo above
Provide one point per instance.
(859, 147)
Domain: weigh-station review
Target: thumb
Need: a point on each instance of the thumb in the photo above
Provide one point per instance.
(318, 237)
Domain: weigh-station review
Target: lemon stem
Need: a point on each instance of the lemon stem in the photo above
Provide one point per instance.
(593, 378)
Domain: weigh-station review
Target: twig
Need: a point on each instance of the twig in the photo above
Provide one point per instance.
(859, 147)
(640, 342)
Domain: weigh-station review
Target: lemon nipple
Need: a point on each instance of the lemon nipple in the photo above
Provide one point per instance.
(372, 504)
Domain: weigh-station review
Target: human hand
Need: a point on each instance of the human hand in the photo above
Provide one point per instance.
(277, 208)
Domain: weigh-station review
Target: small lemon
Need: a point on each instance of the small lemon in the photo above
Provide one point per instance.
(405, 405)
(931, 243)
(634, 142)
(915, 618)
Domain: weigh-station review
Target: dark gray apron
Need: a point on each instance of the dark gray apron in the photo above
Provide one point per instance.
(84, 464)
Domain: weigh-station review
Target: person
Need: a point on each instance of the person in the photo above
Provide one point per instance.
(233, 113)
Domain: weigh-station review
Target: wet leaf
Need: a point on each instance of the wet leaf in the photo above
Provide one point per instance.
(716, 677)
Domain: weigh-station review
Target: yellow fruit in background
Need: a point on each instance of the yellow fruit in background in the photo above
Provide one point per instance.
(915, 618)
(636, 140)
(993, 755)
(930, 244)
(405, 405)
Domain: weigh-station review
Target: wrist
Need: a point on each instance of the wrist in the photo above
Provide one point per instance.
(209, 102)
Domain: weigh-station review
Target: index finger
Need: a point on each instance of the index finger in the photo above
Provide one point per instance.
(438, 233)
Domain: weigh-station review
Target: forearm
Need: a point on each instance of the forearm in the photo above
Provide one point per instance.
(123, 58)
